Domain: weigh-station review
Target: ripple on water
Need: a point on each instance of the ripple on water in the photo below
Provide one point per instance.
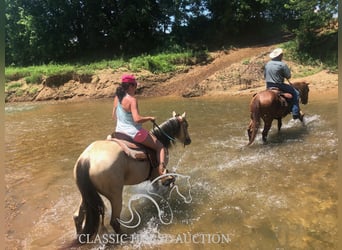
(51, 219)
(18, 108)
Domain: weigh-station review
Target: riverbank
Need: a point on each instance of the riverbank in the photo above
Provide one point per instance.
(233, 72)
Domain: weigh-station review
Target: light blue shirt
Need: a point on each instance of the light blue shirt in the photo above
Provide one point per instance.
(276, 72)
(125, 123)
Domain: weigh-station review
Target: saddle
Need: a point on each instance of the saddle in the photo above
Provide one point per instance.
(283, 96)
(133, 149)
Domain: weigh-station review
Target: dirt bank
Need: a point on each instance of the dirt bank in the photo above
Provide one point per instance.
(233, 72)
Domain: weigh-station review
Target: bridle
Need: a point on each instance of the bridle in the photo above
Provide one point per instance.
(180, 121)
(163, 132)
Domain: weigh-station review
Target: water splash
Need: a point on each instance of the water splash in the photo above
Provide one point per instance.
(308, 119)
(153, 196)
(174, 169)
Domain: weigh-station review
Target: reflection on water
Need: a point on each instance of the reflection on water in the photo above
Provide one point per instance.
(278, 195)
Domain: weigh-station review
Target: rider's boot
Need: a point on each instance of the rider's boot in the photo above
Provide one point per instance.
(300, 116)
(167, 180)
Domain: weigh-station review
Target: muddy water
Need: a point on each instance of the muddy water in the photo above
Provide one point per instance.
(281, 195)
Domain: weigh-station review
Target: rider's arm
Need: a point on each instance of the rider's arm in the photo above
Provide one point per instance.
(135, 113)
(286, 72)
(115, 104)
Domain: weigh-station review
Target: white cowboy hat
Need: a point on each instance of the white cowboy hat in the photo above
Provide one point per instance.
(275, 53)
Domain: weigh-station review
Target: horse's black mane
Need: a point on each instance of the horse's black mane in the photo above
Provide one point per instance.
(170, 128)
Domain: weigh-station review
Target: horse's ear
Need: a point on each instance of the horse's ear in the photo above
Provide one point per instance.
(183, 115)
(174, 114)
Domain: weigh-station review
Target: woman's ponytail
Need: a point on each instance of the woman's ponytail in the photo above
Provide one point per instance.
(121, 90)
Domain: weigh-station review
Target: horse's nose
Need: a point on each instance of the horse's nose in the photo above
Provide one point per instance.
(187, 141)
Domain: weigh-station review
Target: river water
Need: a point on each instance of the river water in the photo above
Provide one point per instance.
(279, 195)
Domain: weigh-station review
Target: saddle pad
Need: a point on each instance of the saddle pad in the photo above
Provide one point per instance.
(284, 94)
(131, 149)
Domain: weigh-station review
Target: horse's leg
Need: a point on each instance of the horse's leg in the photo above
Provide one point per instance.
(267, 126)
(279, 124)
(249, 130)
(116, 203)
(79, 217)
(253, 127)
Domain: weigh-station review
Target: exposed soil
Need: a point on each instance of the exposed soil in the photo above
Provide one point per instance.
(233, 72)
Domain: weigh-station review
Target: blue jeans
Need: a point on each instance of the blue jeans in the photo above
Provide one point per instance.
(288, 89)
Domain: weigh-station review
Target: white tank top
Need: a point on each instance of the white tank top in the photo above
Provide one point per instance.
(125, 123)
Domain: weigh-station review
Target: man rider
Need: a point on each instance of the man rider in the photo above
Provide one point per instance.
(275, 73)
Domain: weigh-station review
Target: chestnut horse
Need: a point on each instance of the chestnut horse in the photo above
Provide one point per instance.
(104, 168)
(271, 104)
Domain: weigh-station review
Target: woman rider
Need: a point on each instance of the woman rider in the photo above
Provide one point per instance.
(129, 121)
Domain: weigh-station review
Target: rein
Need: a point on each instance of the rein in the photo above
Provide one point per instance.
(163, 132)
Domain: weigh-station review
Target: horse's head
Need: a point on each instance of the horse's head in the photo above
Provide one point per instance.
(303, 88)
(183, 134)
(174, 128)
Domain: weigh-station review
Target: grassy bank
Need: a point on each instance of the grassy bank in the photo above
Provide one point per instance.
(161, 63)
(27, 81)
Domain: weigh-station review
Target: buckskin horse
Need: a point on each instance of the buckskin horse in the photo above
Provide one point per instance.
(104, 168)
(272, 104)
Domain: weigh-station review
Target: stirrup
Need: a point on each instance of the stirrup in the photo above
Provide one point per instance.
(168, 180)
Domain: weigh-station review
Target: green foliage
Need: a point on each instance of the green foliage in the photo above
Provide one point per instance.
(317, 57)
(35, 77)
(12, 86)
(33, 90)
(245, 62)
(161, 63)
(102, 64)
(314, 33)
(20, 92)
(45, 32)
(15, 73)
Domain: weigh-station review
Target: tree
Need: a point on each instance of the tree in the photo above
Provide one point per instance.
(43, 31)
(313, 16)
(18, 29)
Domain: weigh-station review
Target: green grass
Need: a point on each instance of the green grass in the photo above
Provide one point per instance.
(161, 63)
(167, 62)
(13, 86)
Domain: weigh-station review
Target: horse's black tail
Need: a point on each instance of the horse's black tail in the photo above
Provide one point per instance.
(255, 119)
(93, 204)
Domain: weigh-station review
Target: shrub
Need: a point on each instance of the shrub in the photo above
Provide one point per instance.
(36, 77)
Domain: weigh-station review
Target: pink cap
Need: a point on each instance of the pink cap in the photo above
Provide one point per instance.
(128, 79)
